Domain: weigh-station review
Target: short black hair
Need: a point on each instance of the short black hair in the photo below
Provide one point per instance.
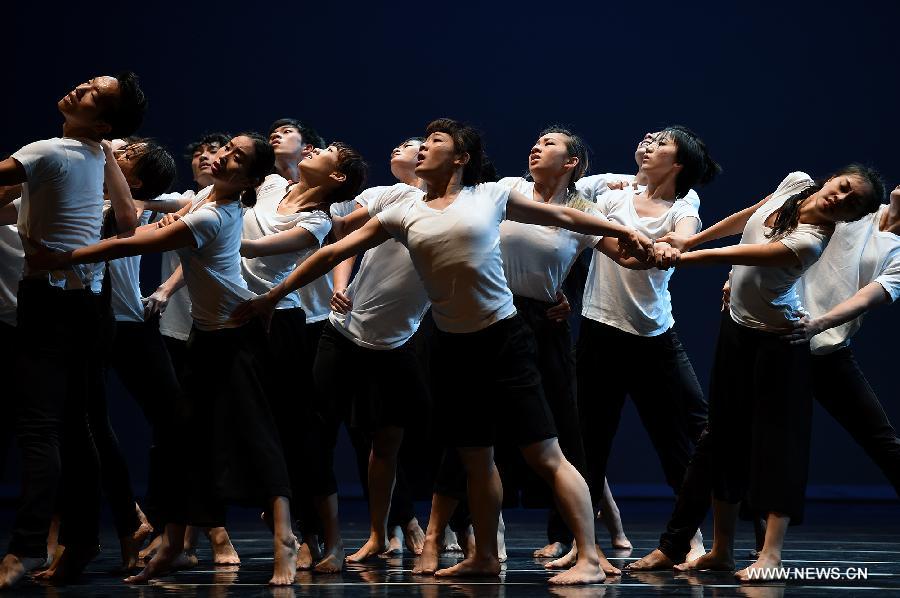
(155, 168)
(218, 138)
(466, 140)
(698, 168)
(308, 133)
(354, 168)
(126, 113)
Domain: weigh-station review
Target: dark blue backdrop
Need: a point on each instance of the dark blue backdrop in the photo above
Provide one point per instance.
(770, 88)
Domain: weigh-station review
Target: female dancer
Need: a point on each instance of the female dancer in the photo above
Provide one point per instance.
(760, 399)
(837, 294)
(452, 232)
(372, 324)
(282, 230)
(633, 308)
(238, 455)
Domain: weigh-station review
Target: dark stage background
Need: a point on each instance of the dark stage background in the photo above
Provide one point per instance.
(771, 88)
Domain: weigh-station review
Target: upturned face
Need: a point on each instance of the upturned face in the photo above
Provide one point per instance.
(84, 105)
(550, 154)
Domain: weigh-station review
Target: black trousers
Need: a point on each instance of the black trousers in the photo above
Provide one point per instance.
(368, 390)
(759, 420)
(840, 386)
(9, 398)
(556, 364)
(232, 435)
(59, 363)
(140, 359)
(656, 373)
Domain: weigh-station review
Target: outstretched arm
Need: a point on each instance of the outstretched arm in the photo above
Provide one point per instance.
(774, 254)
(871, 295)
(148, 241)
(316, 265)
(287, 241)
(522, 209)
(732, 225)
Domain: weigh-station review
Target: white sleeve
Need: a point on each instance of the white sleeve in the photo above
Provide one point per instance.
(807, 242)
(43, 160)
(510, 181)
(890, 276)
(683, 209)
(204, 223)
(317, 223)
(793, 183)
(387, 197)
(393, 219)
(692, 198)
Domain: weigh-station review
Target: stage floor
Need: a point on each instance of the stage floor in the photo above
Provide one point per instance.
(839, 536)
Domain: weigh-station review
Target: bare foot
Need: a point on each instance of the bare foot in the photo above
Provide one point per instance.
(185, 560)
(474, 566)
(427, 561)
(708, 562)
(554, 550)
(48, 573)
(222, 548)
(304, 557)
(763, 563)
(372, 548)
(620, 542)
(163, 562)
(332, 562)
(450, 543)
(151, 548)
(565, 561)
(654, 561)
(131, 545)
(285, 551)
(414, 536)
(395, 542)
(607, 567)
(13, 569)
(581, 574)
(53, 551)
(71, 563)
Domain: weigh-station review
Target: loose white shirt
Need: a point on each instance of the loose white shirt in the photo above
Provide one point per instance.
(858, 254)
(12, 261)
(212, 269)
(634, 301)
(263, 219)
(537, 259)
(175, 322)
(595, 185)
(389, 300)
(456, 251)
(768, 298)
(62, 203)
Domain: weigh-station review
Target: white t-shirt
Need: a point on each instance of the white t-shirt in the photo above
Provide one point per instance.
(176, 321)
(634, 301)
(125, 284)
(456, 252)
(212, 270)
(263, 219)
(537, 259)
(12, 261)
(768, 298)
(389, 300)
(62, 203)
(857, 255)
(595, 185)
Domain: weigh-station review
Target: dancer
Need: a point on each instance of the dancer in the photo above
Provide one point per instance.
(477, 329)
(633, 308)
(372, 325)
(280, 231)
(760, 399)
(234, 441)
(58, 316)
(172, 304)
